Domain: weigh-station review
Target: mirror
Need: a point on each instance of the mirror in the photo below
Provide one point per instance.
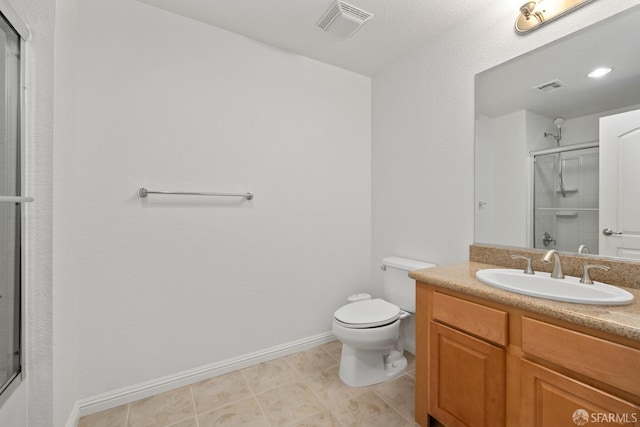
(532, 112)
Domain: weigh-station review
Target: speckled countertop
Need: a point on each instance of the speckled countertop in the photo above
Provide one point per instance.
(622, 320)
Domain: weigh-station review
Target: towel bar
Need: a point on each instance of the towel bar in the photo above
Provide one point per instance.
(143, 192)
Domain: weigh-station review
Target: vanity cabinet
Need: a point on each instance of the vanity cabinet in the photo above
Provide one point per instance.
(552, 399)
(467, 364)
(549, 396)
(480, 363)
(467, 380)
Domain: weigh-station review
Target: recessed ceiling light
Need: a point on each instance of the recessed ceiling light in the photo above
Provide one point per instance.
(599, 72)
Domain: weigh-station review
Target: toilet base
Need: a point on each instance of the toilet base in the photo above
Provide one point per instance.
(359, 368)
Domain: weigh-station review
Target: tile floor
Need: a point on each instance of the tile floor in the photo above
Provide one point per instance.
(302, 389)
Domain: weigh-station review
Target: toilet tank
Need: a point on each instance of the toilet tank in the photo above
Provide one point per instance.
(399, 288)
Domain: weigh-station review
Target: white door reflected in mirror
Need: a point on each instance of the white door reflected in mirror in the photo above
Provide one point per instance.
(619, 180)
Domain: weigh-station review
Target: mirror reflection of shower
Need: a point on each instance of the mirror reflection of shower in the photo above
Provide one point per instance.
(558, 122)
(565, 194)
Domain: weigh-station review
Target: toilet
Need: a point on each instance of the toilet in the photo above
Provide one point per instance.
(372, 330)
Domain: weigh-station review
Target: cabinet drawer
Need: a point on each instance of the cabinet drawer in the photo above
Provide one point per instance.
(602, 360)
(484, 322)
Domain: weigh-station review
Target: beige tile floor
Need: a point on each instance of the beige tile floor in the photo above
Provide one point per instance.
(302, 389)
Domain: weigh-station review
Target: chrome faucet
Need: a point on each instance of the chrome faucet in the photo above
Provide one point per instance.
(584, 249)
(557, 265)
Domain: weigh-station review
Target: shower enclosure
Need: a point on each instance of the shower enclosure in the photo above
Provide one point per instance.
(565, 198)
(10, 208)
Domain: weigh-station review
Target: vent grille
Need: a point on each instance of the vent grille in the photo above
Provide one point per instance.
(329, 16)
(551, 86)
(354, 11)
(342, 14)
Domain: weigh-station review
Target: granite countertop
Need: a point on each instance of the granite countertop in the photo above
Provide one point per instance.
(622, 320)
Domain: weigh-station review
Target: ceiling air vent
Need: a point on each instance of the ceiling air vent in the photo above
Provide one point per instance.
(551, 86)
(343, 19)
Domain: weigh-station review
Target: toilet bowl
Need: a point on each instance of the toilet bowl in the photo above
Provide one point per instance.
(369, 331)
(372, 330)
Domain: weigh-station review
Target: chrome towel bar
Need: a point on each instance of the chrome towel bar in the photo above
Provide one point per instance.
(143, 192)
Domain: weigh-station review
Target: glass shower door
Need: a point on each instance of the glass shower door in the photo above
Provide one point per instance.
(10, 207)
(566, 200)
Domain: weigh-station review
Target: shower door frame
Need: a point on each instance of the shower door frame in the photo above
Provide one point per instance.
(14, 20)
(532, 180)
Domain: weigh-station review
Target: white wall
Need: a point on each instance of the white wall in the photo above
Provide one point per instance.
(167, 284)
(587, 128)
(66, 321)
(501, 150)
(13, 411)
(35, 394)
(503, 175)
(537, 127)
(423, 131)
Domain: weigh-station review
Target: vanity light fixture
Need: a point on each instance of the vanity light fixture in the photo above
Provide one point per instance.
(599, 72)
(533, 14)
(528, 10)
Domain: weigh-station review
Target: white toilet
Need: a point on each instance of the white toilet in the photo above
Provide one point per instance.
(372, 330)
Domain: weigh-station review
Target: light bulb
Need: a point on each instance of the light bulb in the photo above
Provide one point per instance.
(599, 72)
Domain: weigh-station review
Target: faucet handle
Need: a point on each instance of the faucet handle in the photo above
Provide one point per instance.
(528, 269)
(585, 276)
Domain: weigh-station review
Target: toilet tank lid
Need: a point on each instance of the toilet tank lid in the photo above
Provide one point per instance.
(405, 264)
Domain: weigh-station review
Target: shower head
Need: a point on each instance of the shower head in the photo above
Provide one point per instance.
(559, 122)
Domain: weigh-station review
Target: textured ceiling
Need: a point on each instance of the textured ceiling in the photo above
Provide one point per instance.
(397, 27)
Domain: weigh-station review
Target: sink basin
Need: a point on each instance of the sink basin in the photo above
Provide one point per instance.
(542, 285)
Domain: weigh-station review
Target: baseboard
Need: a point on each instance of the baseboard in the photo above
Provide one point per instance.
(139, 391)
(74, 416)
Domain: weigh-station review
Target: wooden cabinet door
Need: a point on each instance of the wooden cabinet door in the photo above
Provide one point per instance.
(550, 399)
(467, 379)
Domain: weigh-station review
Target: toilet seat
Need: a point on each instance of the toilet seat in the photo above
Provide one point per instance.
(367, 314)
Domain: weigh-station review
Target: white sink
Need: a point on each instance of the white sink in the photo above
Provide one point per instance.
(542, 285)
